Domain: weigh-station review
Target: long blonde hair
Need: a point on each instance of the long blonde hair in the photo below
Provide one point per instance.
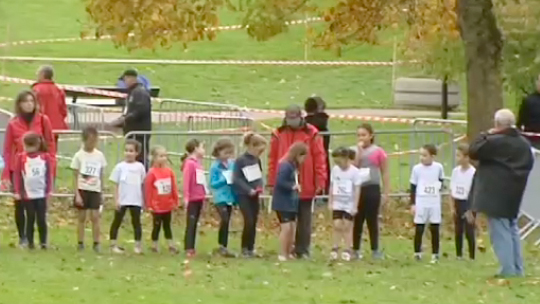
(154, 153)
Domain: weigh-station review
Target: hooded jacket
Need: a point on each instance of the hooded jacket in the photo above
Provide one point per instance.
(221, 184)
(320, 121)
(504, 162)
(138, 110)
(52, 103)
(313, 172)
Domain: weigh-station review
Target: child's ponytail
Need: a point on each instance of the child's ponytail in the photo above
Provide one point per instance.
(191, 145)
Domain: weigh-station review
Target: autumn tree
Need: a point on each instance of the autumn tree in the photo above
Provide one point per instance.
(451, 35)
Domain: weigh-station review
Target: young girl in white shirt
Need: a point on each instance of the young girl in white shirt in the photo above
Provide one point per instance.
(460, 185)
(128, 177)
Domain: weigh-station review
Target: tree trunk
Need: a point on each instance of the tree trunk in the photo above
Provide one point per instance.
(483, 47)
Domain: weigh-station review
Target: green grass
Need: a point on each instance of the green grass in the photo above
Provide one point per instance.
(66, 276)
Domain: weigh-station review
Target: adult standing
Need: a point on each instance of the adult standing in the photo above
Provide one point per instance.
(504, 162)
(316, 116)
(137, 113)
(27, 119)
(312, 173)
(529, 115)
(51, 99)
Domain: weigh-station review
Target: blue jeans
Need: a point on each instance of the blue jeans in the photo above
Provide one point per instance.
(506, 243)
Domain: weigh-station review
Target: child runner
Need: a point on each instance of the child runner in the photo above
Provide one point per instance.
(460, 185)
(194, 191)
(426, 184)
(346, 181)
(128, 177)
(373, 161)
(32, 182)
(161, 196)
(248, 185)
(88, 166)
(221, 184)
(285, 196)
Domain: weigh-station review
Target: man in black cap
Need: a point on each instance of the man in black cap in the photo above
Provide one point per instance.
(137, 113)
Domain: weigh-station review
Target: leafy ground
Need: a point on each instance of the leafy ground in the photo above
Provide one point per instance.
(66, 276)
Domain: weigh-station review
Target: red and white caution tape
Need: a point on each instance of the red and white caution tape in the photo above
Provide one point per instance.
(206, 62)
(74, 39)
(2, 98)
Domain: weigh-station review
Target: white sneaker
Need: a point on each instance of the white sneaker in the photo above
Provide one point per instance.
(334, 255)
(137, 250)
(434, 259)
(117, 250)
(346, 256)
(282, 258)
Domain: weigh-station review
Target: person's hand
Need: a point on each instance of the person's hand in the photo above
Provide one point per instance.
(492, 131)
(413, 209)
(252, 192)
(384, 199)
(6, 185)
(17, 197)
(297, 188)
(78, 200)
(360, 147)
(118, 206)
(354, 212)
(469, 216)
(319, 190)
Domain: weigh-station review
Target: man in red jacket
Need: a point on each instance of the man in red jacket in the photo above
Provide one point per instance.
(51, 99)
(312, 174)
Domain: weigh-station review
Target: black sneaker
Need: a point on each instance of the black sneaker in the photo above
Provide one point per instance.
(43, 247)
(247, 254)
(80, 247)
(31, 246)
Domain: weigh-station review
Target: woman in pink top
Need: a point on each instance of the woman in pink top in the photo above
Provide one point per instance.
(370, 159)
(194, 190)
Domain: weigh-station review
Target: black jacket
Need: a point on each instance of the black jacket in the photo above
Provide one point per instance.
(529, 117)
(241, 186)
(320, 121)
(138, 110)
(504, 162)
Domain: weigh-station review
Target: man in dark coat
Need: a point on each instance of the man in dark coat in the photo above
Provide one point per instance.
(504, 161)
(529, 115)
(314, 107)
(137, 113)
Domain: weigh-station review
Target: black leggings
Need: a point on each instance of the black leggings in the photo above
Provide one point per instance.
(462, 226)
(368, 211)
(224, 212)
(135, 212)
(249, 206)
(20, 220)
(159, 219)
(434, 228)
(192, 219)
(303, 227)
(36, 209)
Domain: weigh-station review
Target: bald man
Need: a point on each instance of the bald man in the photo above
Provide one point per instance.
(504, 162)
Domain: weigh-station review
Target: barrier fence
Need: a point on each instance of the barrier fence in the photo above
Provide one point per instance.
(80, 116)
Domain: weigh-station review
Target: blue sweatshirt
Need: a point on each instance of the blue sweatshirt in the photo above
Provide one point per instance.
(222, 190)
(285, 198)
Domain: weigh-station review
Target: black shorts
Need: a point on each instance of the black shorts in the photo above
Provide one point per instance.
(341, 215)
(286, 216)
(90, 200)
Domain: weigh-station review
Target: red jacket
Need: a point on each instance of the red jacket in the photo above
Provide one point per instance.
(13, 142)
(52, 102)
(40, 176)
(160, 190)
(312, 173)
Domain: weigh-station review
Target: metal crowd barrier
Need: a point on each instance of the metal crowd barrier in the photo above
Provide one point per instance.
(80, 116)
(178, 110)
(530, 208)
(213, 123)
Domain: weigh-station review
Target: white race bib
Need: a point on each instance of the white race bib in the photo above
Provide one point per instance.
(364, 174)
(460, 191)
(431, 189)
(342, 188)
(34, 178)
(252, 173)
(91, 168)
(163, 186)
(200, 177)
(228, 176)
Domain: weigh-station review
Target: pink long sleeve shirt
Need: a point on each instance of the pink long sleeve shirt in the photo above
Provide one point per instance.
(194, 188)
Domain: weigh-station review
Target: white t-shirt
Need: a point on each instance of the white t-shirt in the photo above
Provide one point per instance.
(428, 183)
(90, 166)
(344, 183)
(461, 181)
(34, 177)
(129, 177)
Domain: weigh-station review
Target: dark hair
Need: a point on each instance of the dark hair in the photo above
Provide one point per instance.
(89, 131)
(314, 104)
(297, 149)
(464, 149)
(47, 72)
(32, 139)
(130, 73)
(222, 144)
(369, 129)
(344, 152)
(21, 97)
(191, 145)
(432, 150)
(254, 139)
(134, 143)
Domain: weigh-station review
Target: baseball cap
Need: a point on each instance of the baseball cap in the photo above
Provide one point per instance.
(293, 115)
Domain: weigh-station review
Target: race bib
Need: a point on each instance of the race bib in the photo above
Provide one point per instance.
(163, 186)
(364, 174)
(91, 168)
(35, 168)
(431, 189)
(459, 191)
(342, 188)
(34, 178)
(200, 177)
(252, 173)
(228, 176)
